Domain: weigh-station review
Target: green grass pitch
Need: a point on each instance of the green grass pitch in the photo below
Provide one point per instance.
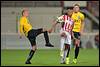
(48, 57)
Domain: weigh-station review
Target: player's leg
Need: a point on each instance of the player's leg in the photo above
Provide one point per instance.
(62, 41)
(32, 37)
(62, 49)
(47, 38)
(45, 32)
(66, 53)
(32, 51)
(76, 44)
(67, 47)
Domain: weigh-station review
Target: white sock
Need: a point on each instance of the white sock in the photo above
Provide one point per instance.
(61, 53)
(65, 54)
(62, 46)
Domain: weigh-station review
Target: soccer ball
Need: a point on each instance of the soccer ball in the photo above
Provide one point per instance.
(60, 19)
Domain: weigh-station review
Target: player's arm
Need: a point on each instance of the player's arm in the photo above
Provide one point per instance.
(55, 22)
(82, 25)
(21, 31)
(72, 34)
(21, 28)
(53, 26)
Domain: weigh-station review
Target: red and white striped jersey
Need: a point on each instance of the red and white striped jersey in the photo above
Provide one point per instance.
(68, 22)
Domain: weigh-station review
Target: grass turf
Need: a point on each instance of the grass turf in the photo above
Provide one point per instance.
(48, 57)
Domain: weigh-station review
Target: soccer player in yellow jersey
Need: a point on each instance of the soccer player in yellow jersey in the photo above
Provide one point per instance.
(78, 19)
(31, 34)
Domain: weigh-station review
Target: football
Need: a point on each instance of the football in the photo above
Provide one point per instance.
(60, 19)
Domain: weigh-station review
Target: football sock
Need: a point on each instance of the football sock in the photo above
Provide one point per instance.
(65, 53)
(46, 37)
(61, 53)
(76, 52)
(30, 55)
(68, 51)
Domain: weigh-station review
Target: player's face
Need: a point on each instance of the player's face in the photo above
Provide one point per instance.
(26, 13)
(70, 12)
(76, 8)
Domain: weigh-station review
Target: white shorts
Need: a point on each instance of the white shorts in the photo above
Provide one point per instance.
(66, 39)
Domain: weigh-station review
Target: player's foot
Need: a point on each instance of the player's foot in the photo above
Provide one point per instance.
(49, 45)
(27, 62)
(62, 60)
(75, 61)
(67, 60)
(63, 63)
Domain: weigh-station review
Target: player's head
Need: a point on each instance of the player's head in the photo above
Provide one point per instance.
(76, 8)
(69, 12)
(25, 12)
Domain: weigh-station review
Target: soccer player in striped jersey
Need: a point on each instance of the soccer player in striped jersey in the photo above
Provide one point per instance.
(31, 34)
(78, 19)
(65, 33)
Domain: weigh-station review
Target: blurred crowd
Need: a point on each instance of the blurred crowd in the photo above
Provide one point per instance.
(96, 39)
(93, 7)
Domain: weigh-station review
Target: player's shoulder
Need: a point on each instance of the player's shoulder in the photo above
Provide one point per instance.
(80, 13)
(23, 19)
(73, 14)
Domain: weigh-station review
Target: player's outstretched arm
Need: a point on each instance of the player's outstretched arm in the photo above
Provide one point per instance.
(82, 28)
(53, 26)
(72, 34)
(20, 32)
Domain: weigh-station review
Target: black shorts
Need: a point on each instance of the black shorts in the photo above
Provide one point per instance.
(77, 35)
(32, 34)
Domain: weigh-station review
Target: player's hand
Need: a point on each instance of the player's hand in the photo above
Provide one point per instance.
(20, 37)
(72, 36)
(63, 34)
(50, 30)
(81, 32)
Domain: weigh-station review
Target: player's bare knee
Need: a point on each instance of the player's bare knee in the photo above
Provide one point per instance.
(77, 43)
(44, 29)
(33, 48)
(66, 46)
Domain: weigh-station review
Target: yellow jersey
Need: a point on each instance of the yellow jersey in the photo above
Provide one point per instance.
(77, 18)
(24, 26)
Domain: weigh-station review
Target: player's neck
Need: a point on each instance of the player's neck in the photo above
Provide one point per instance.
(75, 12)
(24, 16)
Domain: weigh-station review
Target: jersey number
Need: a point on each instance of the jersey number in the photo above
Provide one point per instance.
(68, 27)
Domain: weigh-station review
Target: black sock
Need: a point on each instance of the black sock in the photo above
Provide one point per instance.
(76, 52)
(30, 55)
(68, 51)
(46, 36)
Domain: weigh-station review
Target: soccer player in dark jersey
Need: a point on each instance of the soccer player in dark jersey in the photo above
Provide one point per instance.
(31, 34)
